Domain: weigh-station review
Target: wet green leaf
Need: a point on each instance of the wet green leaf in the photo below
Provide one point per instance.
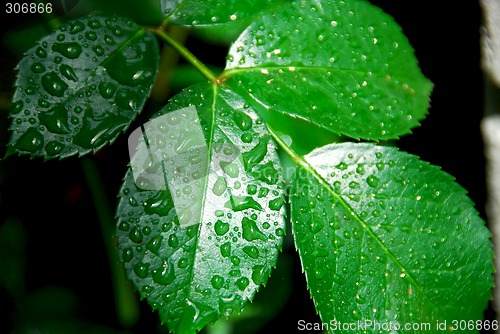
(343, 65)
(197, 262)
(81, 86)
(386, 237)
(267, 303)
(214, 12)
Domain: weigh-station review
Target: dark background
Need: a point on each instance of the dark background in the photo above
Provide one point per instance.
(52, 200)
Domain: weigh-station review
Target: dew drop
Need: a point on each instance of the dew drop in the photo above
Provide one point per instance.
(276, 204)
(107, 89)
(183, 263)
(147, 289)
(221, 228)
(109, 40)
(141, 269)
(242, 120)
(354, 185)
(251, 189)
(237, 203)
(154, 244)
(124, 226)
(235, 272)
(135, 235)
(266, 173)
(251, 231)
(98, 50)
(53, 84)
(17, 107)
(235, 260)
(54, 147)
(30, 141)
(38, 68)
(225, 249)
(40, 52)
(255, 155)
(165, 274)
(71, 50)
(92, 36)
(230, 168)
(217, 282)
(242, 283)
(251, 251)
(158, 204)
(342, 166)
(76, 27)
(316, 226)
(118, 31)
(263, 191)
(246, 137)
(94, 24)
(173, 241)
(219, 186)
(360, 169)
(372, 181)
(127, 254)
(68, 72)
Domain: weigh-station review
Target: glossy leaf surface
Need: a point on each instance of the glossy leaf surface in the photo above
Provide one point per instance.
(213, 12)
(386, 237)
(195, 274)
(81, 86)
(343, 65)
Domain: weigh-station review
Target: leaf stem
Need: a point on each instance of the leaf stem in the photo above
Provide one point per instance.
(288, 150)
(187, 55)
(168, 62)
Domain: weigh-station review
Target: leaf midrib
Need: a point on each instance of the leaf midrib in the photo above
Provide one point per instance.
(304, 164)
(228, 73)
(205, 194)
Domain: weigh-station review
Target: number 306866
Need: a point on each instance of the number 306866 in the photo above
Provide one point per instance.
(25, 8)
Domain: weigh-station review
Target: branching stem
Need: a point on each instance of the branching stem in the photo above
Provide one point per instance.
(187, 55)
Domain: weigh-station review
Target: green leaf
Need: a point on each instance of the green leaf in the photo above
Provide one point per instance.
(386, 237)
(267, 303)
(193, 271)
(214, 12)
(343, 65)
(81, 86)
